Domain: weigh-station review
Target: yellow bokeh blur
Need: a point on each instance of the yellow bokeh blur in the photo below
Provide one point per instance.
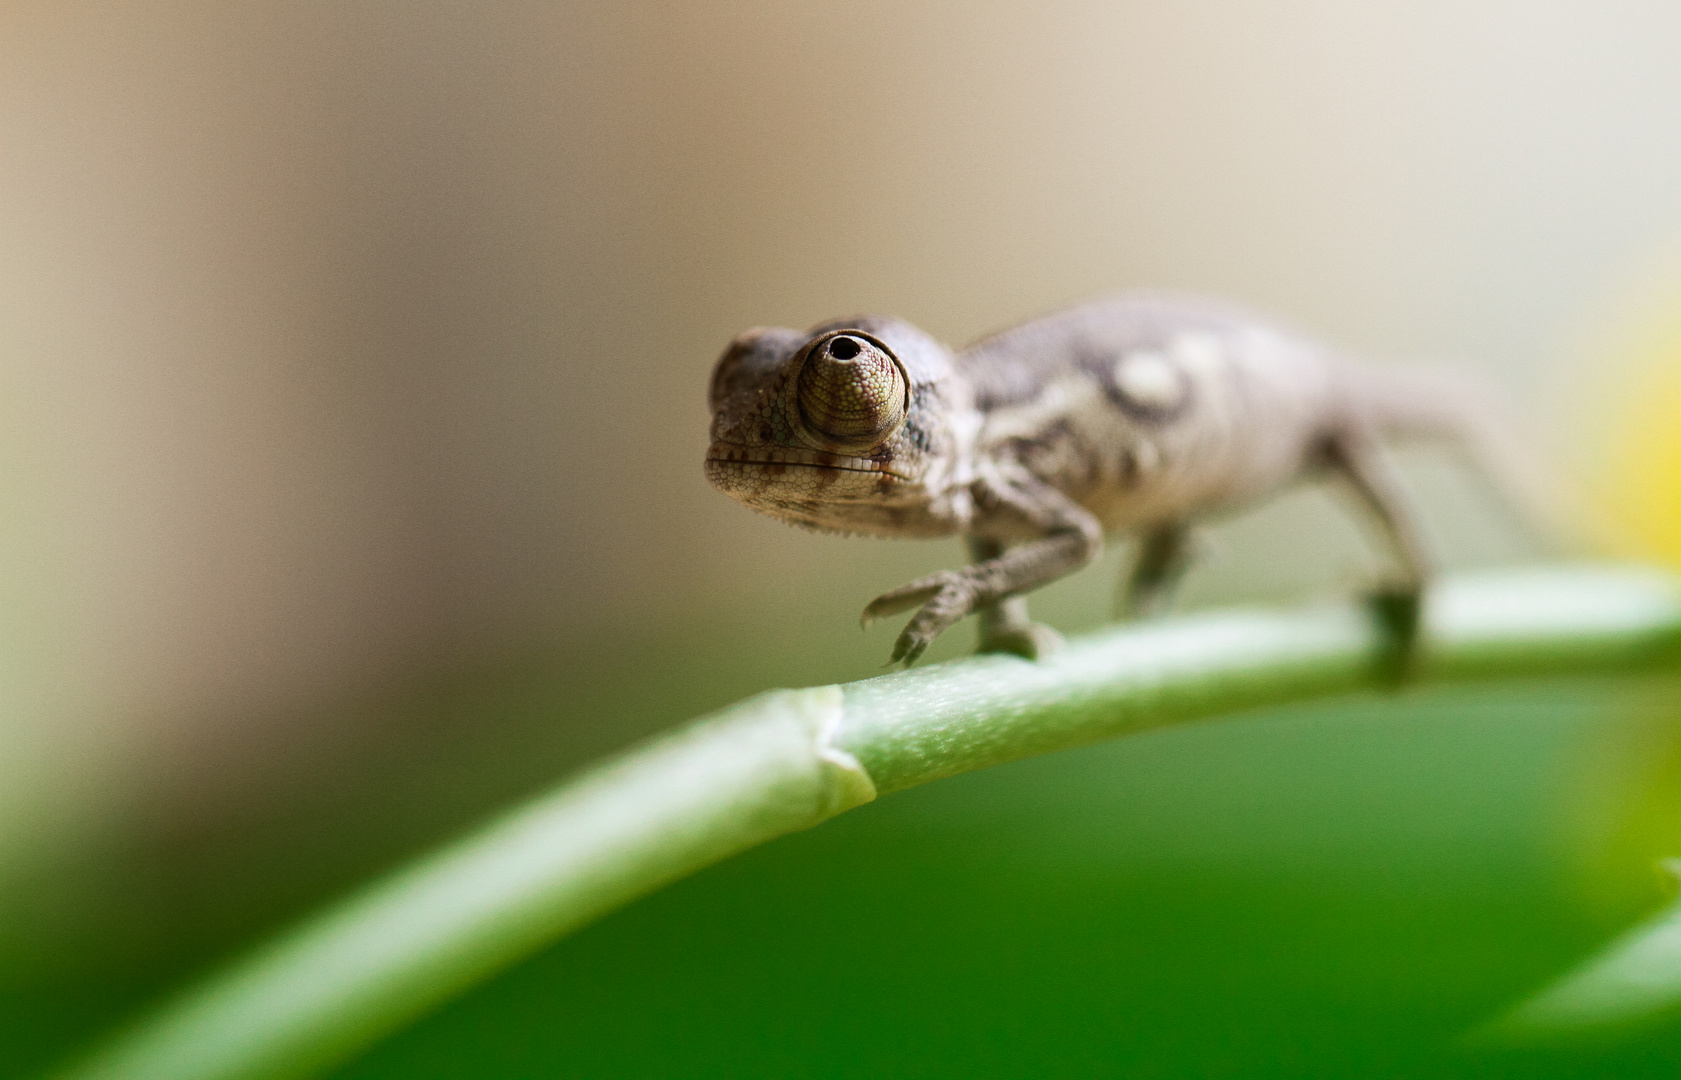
(1634, 439)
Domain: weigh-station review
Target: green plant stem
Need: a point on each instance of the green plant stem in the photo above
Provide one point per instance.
(788, 760)
(1629, 983)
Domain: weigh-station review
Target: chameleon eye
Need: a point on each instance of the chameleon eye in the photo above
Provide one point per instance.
(852, 391)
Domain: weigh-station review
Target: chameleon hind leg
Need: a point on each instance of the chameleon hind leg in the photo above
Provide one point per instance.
(1004, 624)
(1358, 458)
(1165, 552)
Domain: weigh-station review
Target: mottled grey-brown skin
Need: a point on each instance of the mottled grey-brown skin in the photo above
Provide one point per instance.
(1135, 415)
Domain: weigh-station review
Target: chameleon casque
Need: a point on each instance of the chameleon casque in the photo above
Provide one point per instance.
(1136, 415)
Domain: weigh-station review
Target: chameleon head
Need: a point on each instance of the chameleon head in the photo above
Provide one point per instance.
(810, 428)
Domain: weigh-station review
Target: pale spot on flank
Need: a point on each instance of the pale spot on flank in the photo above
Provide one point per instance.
(1149, 380)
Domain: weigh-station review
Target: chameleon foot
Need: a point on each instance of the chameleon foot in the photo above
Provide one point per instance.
(1034, 641)
(945, 596)
(1397, 609)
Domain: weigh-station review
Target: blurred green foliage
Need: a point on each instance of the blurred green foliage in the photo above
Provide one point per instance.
(1336, 890)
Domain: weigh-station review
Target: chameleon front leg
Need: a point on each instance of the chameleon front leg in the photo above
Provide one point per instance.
(1005, 626)
(1358, 458)
(1072, 538)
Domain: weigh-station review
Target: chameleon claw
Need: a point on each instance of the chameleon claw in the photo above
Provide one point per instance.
(907, 649)
(908, 596)
(949, 603)
(917, 593)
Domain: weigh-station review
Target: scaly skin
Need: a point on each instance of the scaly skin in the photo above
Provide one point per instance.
(1136, 415)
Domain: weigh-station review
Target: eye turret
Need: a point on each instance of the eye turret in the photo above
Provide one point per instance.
(852, 390)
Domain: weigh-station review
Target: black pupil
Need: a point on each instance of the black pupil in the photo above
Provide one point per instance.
(843, 348)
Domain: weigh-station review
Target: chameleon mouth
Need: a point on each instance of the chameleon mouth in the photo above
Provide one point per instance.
(731, 454)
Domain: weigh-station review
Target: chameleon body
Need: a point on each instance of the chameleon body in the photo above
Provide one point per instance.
(1137, 415)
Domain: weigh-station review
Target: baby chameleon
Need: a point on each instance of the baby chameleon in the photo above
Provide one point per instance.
(1135, 415)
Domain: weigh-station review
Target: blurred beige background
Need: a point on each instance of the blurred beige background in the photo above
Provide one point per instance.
(340, 342)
